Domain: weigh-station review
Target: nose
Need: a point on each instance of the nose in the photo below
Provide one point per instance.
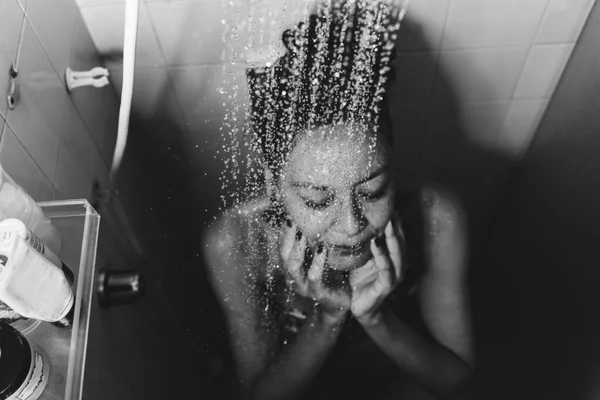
(352, 219)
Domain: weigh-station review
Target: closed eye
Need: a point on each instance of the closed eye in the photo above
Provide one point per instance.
(371, 196)
(318, 203)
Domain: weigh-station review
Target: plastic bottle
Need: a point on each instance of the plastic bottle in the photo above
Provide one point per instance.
(24, 368)
(31, 285)
(16, 203)
(12, 226)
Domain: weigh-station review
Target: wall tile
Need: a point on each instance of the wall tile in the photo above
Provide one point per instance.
(77, 140)
(116, 80)
(107, 27)
(455, 135)
(490, 23)
(483, 121)
(563, 21)
(520, 125)
(55, 23)
(265, 23)
(99, 109)
(208, 90)
(37, 117)
(208, 151)
(84, 54)
(209, 130)
(478, 75)
(95, 3)
(21, 167)
(11, 22)
(415, 73)
(423, 27)
(167, 1)
(207, 139)
(542, 71)
(410, 140)
(153, 94)
(201, 37)
(210, 147)
(72, 181)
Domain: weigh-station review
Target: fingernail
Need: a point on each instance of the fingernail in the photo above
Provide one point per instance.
(320, 247)
(298, 235)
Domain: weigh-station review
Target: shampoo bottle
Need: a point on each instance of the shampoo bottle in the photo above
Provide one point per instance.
(32, 285)
(16, 203)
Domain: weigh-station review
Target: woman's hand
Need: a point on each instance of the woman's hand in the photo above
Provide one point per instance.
(374, 281)
(333, 304)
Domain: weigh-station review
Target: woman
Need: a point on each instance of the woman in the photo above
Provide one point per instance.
(334, 283)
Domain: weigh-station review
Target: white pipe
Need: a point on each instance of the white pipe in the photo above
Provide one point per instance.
(132, 9)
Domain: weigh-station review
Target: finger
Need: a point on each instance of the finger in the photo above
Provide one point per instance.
(316, 287)
(383, 262)
(394, 249)
(363, 275)
(315, 272)
(397, 225)
(296, 260)
(287, 239)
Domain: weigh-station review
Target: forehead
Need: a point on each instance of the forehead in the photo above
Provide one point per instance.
(334, 156)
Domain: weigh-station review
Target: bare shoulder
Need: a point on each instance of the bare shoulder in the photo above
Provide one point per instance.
(226, 240)
(446, 238)
(220, 238)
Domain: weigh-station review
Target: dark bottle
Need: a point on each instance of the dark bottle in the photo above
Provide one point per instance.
(23, 367)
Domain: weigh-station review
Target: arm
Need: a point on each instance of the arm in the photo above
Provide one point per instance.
(440, 367)
(230, 282)
(436, 368)
(286, 374)
(296, 368)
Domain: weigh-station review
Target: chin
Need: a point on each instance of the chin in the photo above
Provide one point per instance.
(347, 262)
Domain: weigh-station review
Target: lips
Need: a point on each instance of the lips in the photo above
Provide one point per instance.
(351, 250)
(348, 257)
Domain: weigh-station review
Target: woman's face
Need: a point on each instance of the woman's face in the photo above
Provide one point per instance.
(338, 190)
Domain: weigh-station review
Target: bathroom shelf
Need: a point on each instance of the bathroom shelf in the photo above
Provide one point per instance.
(78, 223)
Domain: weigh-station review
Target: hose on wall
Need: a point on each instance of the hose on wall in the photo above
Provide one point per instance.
(129, 45)
(112, 205)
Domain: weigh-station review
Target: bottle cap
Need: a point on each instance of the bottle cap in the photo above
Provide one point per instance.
(67, 320)
(68, 274)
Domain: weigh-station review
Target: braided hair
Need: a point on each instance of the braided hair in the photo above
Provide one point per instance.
(336, 69)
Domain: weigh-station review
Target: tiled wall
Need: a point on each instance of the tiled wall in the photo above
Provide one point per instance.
(508, 54)
(503, 58)
(474, 76)
(543, 241)
(54, 143)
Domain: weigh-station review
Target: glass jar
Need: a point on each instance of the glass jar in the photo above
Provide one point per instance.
(24, 369)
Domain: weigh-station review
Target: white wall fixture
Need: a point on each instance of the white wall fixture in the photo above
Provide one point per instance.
(97, 77)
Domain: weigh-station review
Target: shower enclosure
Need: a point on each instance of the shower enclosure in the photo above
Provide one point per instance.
(477, 82)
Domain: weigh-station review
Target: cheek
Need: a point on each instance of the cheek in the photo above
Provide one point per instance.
(380, 212)
(312, 223)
